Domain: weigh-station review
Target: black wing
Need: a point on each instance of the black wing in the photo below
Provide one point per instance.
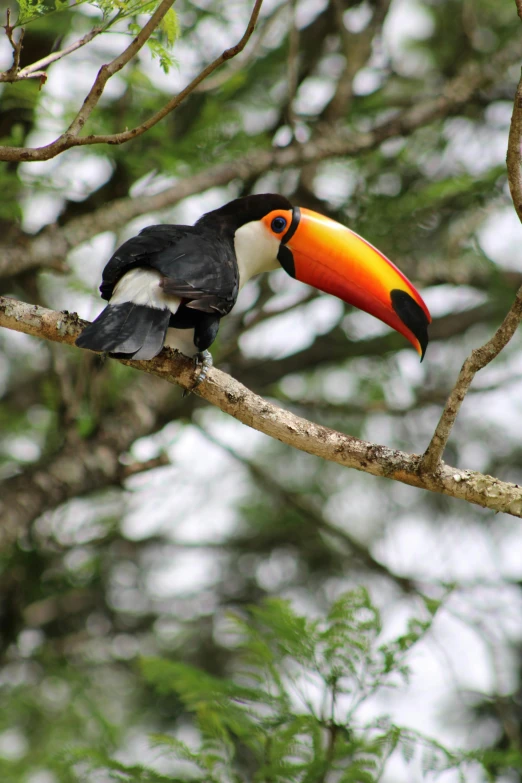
(196, 264)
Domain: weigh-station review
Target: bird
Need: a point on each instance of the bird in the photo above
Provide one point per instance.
(172, 284)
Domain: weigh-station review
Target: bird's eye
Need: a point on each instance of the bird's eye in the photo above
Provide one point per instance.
(278, 224)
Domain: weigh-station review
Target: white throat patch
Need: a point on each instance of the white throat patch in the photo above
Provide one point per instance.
(256, 250)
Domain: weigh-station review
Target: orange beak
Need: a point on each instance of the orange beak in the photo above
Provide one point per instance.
(324, 254)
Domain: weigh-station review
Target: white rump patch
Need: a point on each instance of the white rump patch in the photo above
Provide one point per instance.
(142, 286)
(256, 250)
(181, 340)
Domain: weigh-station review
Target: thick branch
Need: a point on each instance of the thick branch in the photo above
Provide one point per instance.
(235, 399)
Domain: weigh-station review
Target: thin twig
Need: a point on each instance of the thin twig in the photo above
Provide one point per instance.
(228, 54)
(242, 63)
(71, 138)
(133, 468)
(8, 76)
(513, 158)
(35, 69)
(15, 45)
(106, 71)
(235, 399)
(480, 358)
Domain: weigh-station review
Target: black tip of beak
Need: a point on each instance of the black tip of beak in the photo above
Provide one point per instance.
(412, 315)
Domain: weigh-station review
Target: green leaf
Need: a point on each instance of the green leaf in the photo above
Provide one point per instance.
(170, 26)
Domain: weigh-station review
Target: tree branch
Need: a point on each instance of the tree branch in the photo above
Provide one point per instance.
(50, 247)
(71, 139)
(16, 46)
(514, 151)
(106, 71)
(35, 69)
(264, 33)
(357, 48)
(481, 357)
(235, 399)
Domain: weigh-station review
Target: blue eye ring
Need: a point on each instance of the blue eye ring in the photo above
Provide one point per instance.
(278, 225)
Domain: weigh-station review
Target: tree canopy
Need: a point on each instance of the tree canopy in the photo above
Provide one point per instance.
(171, 579)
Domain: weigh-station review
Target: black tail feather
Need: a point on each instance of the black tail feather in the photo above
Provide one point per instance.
(136, 331)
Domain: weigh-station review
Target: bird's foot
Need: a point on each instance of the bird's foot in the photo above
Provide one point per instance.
(203, 360)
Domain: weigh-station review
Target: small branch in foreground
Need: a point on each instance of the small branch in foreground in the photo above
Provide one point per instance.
(243, 63)
(513, 158)
(71, 137)
(15, 45)
(480, 358)
(34, 70)
(228, 54)
(233, 398)
(106, 71)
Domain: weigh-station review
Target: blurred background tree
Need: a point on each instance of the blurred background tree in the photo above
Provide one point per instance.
(144, 517)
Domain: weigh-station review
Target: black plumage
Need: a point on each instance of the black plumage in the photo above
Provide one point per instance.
(128, 328)
(174, 278)
(196, 264)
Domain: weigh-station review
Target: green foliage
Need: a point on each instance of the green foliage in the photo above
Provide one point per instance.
(291, 703)
(32, 9)
(170, 26)
(275, 696)
(51, 716)
(159, 43)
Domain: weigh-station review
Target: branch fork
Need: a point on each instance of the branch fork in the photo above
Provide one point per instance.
(479, 358)
(71, 137)
(16, 46)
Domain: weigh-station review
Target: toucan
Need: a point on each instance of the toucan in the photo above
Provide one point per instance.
(171, 285)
